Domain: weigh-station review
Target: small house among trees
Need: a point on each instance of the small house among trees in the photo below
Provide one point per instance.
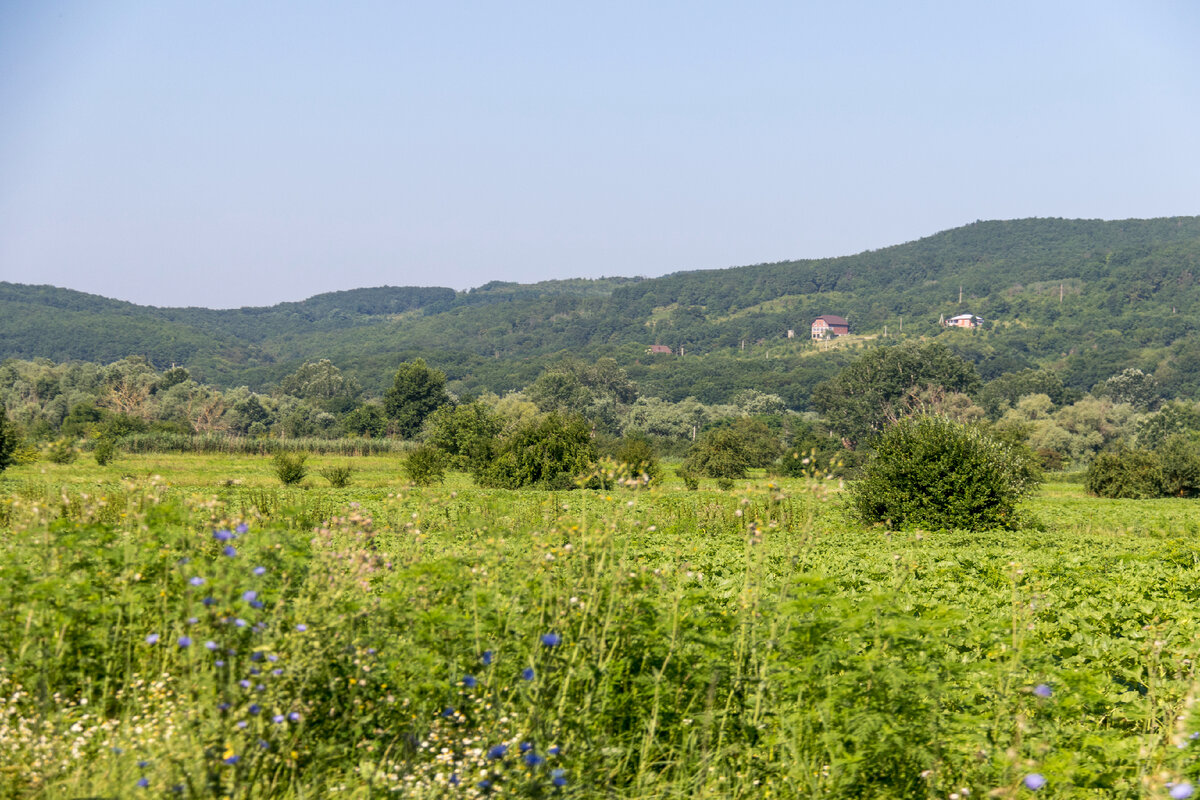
(658, 349)
(964, 321)
(828, 325)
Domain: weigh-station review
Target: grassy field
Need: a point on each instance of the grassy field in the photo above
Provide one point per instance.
(183, 625)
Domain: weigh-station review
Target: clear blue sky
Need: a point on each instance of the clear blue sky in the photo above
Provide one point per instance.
(245, 153)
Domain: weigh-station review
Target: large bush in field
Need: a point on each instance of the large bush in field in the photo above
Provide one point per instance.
(931, 472)
(8, 442)
(549, 453)
(1129, 474)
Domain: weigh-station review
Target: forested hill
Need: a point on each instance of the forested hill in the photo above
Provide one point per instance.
(1090, 297)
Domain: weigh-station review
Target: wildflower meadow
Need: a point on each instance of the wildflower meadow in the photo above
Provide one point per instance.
(166, 632)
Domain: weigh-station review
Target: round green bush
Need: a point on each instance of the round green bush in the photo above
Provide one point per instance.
(932, 472)
(1129, 474)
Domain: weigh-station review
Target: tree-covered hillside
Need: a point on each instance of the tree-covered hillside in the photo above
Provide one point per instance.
(1085, 297)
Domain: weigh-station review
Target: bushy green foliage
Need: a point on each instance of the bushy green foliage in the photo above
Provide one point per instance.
(425, 465)
(548, 453)
(1179, 458)
(338, 476)
(930, 472)
(289, 467)
(637, 454)
(1125, 473)
(466, 433)
(8, 441)
(870, 392)
(727, 452)
(62, 451)
(417, 391)
(105, 451)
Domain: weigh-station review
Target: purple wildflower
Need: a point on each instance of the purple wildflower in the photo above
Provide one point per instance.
(152, 638)
(1182, 791)
(1034, 781)
(242, 527)
(551, 639)
(229, 550)
(1042, 690)
(487, 657)
(260, 570)
(469, 681)
(197, 581)
(497, 751)
(527, 674)
(222, 535)
(143, 783)
(249, 595)
(185, 641)
(301, 627)
(211, 645)
(294, 716)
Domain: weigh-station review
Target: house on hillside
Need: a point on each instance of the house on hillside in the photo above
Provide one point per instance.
(829, 325)
(964, 321)
(658, 349)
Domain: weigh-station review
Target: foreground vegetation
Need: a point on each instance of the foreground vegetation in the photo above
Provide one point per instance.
(183, 625)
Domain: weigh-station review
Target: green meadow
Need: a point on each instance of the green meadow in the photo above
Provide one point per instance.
(186, 626)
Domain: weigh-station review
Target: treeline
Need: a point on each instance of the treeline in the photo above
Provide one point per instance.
(1086, 299)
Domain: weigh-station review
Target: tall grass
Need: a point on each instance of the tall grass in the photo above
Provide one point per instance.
(164, 442)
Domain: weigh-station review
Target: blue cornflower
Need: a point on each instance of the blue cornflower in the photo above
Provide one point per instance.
(294, 716)
(260, 688)
(448, 711)
(185, 641)
(222, 706)
(260, 570)
(245, 684)
(272, 658)
(242, 527)
(1042, 690)
(534, 760)
(554, 750)
(454, 779)
(143, 783)
(222, 535)
(1182, 791)
(241, 723)
(264, 744)
(371, 651)
(527, 674)
(239, 622)
(469, 681)
(497, 751)
(256, 603)
(152, 638)
(525, 747)
(193, 620)
(1035, 781)
(487, 657)
(278, 719)
(218, 663)
(256, 656)
(301, 627)
(255, 671)
(485, 785)
(143, 764)
(197, 581)
(211, 645)
(259, 626)
(235, 758)
(208, 601)
(551, 639)
(277, 672)
(559, 777)
(229, 550)
(249, 595)
(254, 708)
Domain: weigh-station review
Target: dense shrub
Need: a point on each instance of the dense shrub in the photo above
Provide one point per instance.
(105, 451)
(728, 452)
(1130, 474)
(1179, 458)
(637, 454)
(338, 477)
(425, 465)
(549, 453)
(289, 467)
(8, 442)
(931, 472)
(62, 452)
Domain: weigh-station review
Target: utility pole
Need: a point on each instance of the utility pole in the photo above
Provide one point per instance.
(960, 294)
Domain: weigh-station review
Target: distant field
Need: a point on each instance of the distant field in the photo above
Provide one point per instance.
(383, 640)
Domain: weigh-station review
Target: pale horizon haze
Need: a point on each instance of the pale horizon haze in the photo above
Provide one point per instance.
(228, 154)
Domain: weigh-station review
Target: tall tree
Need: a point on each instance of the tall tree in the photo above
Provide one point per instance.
(8, 441)
(871, 390)
(417, 391)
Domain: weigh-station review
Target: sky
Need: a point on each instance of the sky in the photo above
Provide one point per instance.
(234, 153)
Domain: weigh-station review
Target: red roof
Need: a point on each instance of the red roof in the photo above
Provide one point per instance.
(832, 320)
